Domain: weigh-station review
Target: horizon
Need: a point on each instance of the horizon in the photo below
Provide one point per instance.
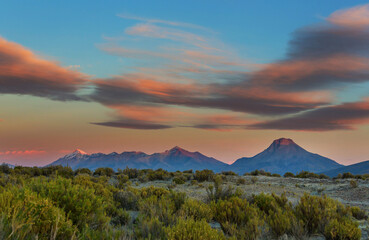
(143, 76)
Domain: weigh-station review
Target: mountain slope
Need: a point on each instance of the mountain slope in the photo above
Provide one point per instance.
(282, 156)
(171, 160)
(357, 168)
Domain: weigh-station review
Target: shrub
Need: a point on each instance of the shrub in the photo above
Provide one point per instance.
(204, 175)
(122, 180)
(162, 208)
(238, 218)
(241, 181)
(179, 180)
(216, 192)
(354, 184)
(25, 214)
(358, 213)
(188, 171)
(158, 174)
(229, 173)
(254, 179)
(150, 228)
(315, 212)
(81, 204)
(194, 182)
(276, 175)
(348, 175)
(130, 172)
(153, 191)
(196, 210)
(342, 229)
(104, 172)
(83, 171)
(190, 229)
(306, 174)
(126, 200)
(288, 174)
(323, 176)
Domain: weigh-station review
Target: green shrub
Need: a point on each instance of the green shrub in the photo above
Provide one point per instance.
(342, 229)
(196, 210)
(122, 180)
(153, 191)
(315, 212)
(126, 200)
(104, 172)
(179, 180)
(204, 175)
(238, 218)
(254, 179)
(194, 182)
(25, 214)
(190, 229)
(163, 208)
(216, 192)
(241, 181)
(188, 171)
(150, 228)
(348, 175)
(276, 175)
(354, 184)
(130, 172)
(288, 174)
(81, 204)
(229, 173)
(158, 174)
(358, 213)
(83, 171)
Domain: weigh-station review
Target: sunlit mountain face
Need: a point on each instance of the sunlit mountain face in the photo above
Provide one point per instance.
(224, 79)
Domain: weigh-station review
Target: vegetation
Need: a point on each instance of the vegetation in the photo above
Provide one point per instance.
(59, 203)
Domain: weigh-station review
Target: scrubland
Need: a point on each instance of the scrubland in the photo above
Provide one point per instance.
(59, 203)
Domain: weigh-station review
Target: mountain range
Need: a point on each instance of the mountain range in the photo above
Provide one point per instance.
(171, 160)
(282, 156)
(357, 168)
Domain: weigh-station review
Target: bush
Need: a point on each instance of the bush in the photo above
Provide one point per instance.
(315, 212)
(149, 228)
(188, 171)
(254, 179)
(238, 218)
(130, 172)
(229, 173)
(358, 213)
(276, 175)
(196, 210)
(158, 174)
(83, 171)
(126, 200)
(348, 175)
(289, 174)
(194, 182)
(354, 184)
(190, 229)
(342, 229)
(81, 204)
(216, 192)
(25, 214)
(179, 180)
(241, 181)
(204, 175)
(122, 180)
(104, 172)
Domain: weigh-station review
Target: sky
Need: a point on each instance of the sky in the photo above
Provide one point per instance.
(224, 78)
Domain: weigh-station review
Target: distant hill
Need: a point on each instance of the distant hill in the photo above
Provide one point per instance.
(357, 168)
(282, 156)
(171, 160)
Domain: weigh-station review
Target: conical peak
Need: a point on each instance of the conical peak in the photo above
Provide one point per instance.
(283, 141)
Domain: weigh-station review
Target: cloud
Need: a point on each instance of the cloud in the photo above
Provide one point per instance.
(140, 125)
(353, 17)
(165, 22)
(22, 152)
(337, 117)
(22, 72)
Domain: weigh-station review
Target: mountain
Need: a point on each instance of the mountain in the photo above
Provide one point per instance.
(357, 168)
(282, 156)
(171, 160)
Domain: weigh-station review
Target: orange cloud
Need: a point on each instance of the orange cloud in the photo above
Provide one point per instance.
(22, 72)
(22, 152)
(353, 17)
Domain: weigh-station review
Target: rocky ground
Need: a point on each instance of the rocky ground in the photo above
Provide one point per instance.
(339, 189)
